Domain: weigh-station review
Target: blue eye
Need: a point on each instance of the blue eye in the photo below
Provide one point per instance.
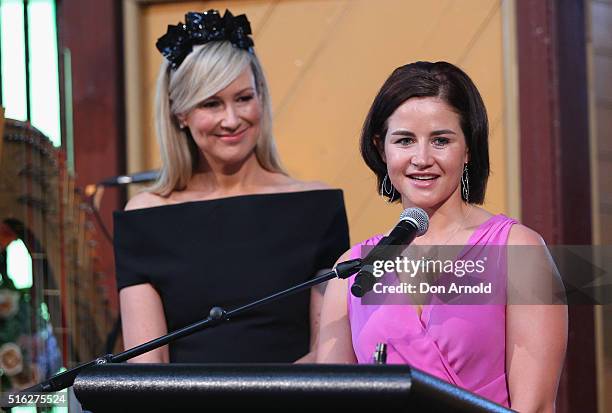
(441, 141)
(404, 141)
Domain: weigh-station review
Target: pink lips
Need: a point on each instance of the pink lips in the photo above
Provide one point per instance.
(237, 137)
(423, 183)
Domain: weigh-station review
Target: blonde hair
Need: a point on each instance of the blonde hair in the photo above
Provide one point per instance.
(208, 69)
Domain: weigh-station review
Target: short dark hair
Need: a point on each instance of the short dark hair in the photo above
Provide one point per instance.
(449, 83)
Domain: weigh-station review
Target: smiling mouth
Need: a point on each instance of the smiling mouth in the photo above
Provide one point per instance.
(423, 177)
(233, 135)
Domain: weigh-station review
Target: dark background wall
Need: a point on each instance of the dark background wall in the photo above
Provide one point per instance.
(92, 30)
(555, 160)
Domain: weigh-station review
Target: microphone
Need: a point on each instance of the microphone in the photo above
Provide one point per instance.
(138, 177)
(413, 223)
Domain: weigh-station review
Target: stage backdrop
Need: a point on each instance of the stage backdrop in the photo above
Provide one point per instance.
(325, 61)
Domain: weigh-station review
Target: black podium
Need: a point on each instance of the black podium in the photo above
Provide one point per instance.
(270, 387)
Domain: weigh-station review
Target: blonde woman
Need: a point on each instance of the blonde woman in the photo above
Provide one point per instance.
(224, 224)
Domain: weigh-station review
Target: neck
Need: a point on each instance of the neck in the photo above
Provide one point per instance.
(227, 179)
(445, 220)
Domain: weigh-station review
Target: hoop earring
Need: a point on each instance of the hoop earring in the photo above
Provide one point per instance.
(465, 183)
(387, 193)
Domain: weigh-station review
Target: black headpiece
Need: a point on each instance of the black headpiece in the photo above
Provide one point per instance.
(200, 28)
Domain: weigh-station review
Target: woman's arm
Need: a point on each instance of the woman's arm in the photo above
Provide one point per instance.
(316, 301)
(335, 344)
(142, 319)
(536, 334)
(142, 312)
(316, 293)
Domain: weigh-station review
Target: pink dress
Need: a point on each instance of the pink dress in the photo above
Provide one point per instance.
(462, 344)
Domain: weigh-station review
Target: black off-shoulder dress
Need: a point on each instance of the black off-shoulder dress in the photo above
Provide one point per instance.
(227, 252)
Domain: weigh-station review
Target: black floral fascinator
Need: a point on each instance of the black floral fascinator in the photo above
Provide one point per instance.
(200, 28)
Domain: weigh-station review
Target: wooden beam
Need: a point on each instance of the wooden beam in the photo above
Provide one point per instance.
(555, 181)
(92, 30)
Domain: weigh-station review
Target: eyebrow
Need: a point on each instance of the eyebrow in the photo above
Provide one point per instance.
(240, 92)
(442, 132)
(404, 132)
(216, 96)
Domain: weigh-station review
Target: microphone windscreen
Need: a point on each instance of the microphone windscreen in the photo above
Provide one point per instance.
(418, 217)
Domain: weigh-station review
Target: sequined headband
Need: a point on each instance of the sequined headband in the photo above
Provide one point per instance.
(200, 28)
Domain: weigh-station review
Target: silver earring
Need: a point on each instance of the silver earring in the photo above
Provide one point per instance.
(387, 193)
(465, 183)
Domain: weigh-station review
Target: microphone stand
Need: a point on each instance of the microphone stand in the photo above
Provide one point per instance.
(216, 316)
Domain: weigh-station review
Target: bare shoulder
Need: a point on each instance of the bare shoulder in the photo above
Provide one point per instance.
(145, 200)
(522, 235)
(477, 216)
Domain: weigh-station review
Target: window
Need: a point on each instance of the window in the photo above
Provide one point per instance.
(29, 64)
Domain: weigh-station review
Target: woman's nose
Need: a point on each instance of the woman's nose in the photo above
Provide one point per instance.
(422, 157)
(230, 120)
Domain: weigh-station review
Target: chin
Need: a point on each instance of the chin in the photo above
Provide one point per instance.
(427, 203)
(236, 158)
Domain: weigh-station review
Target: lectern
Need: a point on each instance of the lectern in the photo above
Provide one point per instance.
(270, 387)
